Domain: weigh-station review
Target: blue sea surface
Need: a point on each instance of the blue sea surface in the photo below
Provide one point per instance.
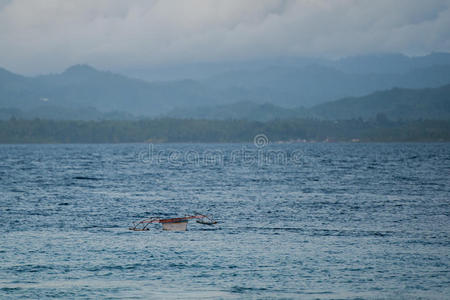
(296, 221)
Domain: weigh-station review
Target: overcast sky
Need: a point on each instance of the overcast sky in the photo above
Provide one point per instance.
(41, 36)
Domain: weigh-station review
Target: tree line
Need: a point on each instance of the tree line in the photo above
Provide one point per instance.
(222, 131)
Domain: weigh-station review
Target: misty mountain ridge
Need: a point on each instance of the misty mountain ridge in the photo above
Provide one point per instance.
(52, 112)
(387, 63)
(243, 110)
(315, 84)
(84, 86)
(287, 85)
(394, 104)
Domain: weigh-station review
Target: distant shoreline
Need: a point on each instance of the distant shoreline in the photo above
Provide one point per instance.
(167, 130)
(221, 143)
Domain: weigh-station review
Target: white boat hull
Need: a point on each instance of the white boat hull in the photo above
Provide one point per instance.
(175, 226)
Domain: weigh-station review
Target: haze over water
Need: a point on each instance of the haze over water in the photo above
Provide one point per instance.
(320, 221)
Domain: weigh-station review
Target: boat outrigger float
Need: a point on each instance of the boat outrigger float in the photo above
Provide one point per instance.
(174, 224)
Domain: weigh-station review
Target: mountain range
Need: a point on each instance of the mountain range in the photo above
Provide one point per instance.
(392, 84)
(394, 104)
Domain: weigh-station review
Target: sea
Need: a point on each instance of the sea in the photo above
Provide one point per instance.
(294, 221)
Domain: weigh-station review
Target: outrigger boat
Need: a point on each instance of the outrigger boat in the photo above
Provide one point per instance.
(173, 224)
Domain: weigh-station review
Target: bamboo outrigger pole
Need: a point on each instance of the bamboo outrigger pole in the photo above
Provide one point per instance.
(173, 224)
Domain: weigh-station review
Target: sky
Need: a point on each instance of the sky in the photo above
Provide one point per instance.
(42, 36)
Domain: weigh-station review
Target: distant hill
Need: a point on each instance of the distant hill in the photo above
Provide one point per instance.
(315, 84)
(395, 104)
(82, 86)
(406, 104)
(387, 63)
(244, 110)
(50, 112)
(263, 89)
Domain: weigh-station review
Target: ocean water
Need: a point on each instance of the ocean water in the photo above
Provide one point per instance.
(296, 221)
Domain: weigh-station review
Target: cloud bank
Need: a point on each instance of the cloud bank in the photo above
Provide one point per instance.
(49, 35)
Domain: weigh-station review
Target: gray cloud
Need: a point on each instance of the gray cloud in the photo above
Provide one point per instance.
(49, 35)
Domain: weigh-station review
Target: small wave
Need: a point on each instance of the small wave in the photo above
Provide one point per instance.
(30, 268)
(241, 289)
(86, 178)
(10, 289)
(206, 229)
(319, 232)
